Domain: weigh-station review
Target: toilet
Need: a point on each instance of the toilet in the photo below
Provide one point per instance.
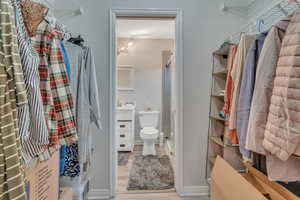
(149, 132)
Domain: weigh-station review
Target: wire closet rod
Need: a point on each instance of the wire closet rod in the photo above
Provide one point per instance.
(264, 21)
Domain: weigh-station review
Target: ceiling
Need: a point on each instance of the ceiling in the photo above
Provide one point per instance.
(239, 3)
(153, 29)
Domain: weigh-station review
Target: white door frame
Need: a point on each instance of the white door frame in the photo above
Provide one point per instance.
(177, 14)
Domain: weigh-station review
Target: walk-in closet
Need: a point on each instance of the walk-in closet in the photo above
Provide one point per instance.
(149, 100)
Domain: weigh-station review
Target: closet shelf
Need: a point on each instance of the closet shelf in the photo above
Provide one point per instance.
(217, 140)
(223, 73)
(219, 96)
(217, 118)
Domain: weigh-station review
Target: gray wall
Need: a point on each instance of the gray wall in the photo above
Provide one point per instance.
(204, 27)
(146, 57)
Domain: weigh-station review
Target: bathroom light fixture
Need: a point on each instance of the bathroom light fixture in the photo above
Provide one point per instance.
(125, 47)
(130, 44)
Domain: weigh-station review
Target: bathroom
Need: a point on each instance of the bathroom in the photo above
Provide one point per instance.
(146, 108)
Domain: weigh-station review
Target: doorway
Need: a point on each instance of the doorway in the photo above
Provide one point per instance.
(132, 97)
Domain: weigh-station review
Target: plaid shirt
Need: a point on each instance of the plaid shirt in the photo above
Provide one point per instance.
(12, 96)
(55, 87)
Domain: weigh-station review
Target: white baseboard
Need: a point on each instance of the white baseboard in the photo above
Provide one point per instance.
(97, 194)
(188, 193)
(195, 191)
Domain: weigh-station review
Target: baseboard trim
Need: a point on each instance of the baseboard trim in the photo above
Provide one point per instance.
(189, 191)
(195, 191)
(97, 194)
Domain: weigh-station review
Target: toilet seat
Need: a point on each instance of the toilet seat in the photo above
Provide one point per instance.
(149, 130)
(149, 133)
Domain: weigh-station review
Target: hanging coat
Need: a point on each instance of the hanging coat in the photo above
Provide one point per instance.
(247, 87)
(263, 86)
(236, 74)
(282, 134)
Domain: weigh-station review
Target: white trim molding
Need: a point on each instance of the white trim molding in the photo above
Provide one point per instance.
(176, 14)
(98, 194)
(195, 191)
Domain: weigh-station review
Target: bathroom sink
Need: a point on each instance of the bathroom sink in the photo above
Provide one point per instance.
(148, 112)
(126, 107)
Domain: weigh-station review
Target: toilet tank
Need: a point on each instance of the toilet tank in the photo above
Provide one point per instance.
(149, 118)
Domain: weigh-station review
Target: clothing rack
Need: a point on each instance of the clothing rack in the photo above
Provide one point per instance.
(264, 21)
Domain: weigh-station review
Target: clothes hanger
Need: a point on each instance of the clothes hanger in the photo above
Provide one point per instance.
(78, 40)
(33, 13)
(260, 23)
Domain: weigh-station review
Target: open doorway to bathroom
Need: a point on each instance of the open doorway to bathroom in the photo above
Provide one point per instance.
(146, 104)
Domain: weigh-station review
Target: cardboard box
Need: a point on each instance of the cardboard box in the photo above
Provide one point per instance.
(66, 194)
(43, 180)
(228, 184)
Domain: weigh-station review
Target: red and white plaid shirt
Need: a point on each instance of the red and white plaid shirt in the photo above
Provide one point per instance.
(55, 87)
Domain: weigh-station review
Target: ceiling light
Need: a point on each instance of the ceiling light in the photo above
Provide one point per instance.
(130, 44)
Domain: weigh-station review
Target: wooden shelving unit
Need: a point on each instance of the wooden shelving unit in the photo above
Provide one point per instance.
(217, 118)
(217, 140)
(217, 146)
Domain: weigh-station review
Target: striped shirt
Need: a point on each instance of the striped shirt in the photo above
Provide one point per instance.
(55, 87)
(33, 128)
(12, 95)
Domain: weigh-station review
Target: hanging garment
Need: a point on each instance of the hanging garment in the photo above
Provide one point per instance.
(72, 166)
(229, 83)
(247, 87)
(55, 87)
(33, 128)
(50, 18)
(277, 169)
(62, 153)
(236, 74)
(66, 59)
(285, 171)
(85, 89)
(231, 134)
(261, 99)
(34, 13)
(260, 162)
(12, 96)
(282, 134)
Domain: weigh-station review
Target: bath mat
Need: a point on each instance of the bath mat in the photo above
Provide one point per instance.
(123, 158)
(151, 173)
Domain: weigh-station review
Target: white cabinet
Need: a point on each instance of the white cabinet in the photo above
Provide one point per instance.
(125, 129)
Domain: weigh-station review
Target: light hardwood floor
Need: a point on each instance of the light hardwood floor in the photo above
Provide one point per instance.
(149, 196)
(123, 177)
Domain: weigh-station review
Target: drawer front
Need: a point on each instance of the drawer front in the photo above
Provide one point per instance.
(124, 126)
(124, 135)
(124, 115)
(125, 144)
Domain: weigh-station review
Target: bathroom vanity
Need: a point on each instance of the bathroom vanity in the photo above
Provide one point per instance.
(125, 128)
